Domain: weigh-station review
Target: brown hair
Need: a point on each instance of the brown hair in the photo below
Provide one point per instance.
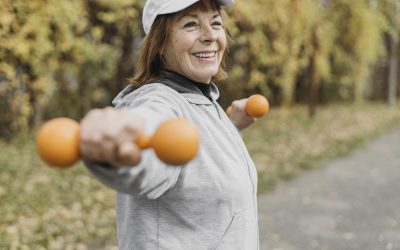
(150, 64)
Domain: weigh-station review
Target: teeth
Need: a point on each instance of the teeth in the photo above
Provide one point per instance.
(205, 55)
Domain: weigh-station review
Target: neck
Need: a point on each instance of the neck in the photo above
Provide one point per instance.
(188, 79)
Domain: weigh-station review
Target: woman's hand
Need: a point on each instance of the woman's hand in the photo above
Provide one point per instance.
(239, 116)
(108, 135)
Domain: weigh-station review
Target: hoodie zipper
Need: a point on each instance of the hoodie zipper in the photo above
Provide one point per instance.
(216, 107)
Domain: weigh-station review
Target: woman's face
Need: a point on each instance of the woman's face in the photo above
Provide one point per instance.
(196, 45)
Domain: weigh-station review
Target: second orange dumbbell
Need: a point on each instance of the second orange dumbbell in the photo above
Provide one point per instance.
(256, 106)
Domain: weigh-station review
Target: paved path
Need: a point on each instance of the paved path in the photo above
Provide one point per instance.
(350, 203)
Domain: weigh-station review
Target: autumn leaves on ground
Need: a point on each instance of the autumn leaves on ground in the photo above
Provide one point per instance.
(43, 208)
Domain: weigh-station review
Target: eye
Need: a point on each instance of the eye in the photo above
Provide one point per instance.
(217, 24)
(190, 25)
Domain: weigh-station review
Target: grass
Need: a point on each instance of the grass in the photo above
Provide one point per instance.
(42, 208)
(287, 142)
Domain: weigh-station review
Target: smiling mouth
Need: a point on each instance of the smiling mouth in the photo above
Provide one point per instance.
(210, 54)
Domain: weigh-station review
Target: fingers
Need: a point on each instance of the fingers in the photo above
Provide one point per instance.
(128, 154)
(90, 135)
(239, 117)
(108, 135)
(239, 105)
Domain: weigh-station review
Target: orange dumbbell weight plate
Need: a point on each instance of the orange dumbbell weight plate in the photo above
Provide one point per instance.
(58, 142)
(257, 105)
(176, 141)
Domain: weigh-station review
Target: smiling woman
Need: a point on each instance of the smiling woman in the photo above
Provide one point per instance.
(209, 202)
(182, 27)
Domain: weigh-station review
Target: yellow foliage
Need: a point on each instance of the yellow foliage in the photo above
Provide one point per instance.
(280, 37)
(47, 47)
(68, 54)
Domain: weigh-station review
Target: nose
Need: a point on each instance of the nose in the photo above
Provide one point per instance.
(209, 35)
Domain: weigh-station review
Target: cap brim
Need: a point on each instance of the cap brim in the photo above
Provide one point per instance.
(180, 5)
(173, 7)
(226, 2)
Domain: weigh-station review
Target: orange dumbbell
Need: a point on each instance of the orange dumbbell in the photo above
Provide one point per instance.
(175, 142)
(256, 106)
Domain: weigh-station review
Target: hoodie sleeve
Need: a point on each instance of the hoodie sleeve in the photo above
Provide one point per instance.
(151, 177)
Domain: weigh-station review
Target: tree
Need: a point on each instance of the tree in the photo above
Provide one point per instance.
(63, 57)
(359, 44)
(393, 57)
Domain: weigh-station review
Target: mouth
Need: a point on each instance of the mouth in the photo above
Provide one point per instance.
(205, 54)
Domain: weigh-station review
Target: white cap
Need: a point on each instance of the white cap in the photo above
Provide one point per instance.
(153, 8)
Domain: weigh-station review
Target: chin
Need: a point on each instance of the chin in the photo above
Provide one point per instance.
(204, 78)
(208, 74)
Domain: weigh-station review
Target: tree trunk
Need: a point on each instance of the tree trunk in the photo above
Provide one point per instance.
(125, 64)
(393, 63)
(314, 79)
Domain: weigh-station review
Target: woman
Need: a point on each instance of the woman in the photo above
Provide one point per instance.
(208, 203)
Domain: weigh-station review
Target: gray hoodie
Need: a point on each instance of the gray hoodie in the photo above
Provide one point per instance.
(208, 203)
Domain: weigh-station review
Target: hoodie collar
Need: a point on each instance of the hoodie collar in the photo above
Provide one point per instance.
(194, 92)
(189, 87)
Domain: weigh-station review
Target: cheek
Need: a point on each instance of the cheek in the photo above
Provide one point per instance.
(222, 41)
(181, 50)
(175, 52)
(222, 46)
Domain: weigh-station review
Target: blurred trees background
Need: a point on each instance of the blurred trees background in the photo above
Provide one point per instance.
(62, 58)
